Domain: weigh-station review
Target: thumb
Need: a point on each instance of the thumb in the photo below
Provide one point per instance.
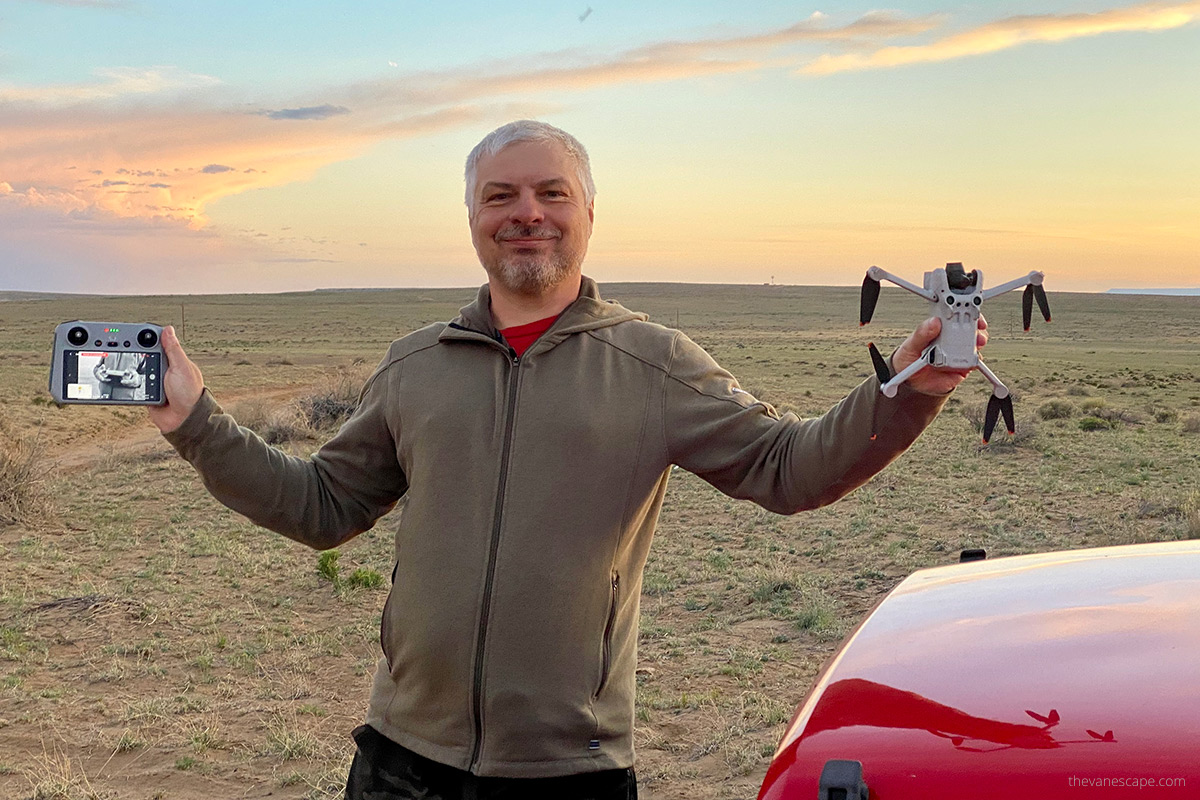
(915, 344)
(926, 332)
(171, 345)
(923, 336)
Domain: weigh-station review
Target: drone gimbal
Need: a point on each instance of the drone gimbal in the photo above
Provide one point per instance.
(955, 296)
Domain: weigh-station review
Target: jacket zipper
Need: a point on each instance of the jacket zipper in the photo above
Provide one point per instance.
(606, 651)
(477, 687)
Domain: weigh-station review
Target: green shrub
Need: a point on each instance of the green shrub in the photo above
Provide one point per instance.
(364, 578)
(1056, 409)
(1095, 424)
(327, 566)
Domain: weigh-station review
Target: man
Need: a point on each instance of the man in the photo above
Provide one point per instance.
(121, 376)
(533, 436)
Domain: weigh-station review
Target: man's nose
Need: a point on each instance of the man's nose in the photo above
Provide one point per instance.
(528, 209)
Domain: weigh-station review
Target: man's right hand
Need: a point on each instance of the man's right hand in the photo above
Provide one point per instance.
(183, 384)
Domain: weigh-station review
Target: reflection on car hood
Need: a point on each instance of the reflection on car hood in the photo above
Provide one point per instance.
(1028, 676)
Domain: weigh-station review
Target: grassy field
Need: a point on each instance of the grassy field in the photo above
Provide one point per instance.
(156, 645)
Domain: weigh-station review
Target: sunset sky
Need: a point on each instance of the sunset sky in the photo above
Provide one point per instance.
(151, 146)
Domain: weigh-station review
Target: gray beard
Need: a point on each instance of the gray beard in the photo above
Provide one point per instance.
(533, 275)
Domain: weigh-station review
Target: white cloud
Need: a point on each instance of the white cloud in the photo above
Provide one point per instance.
(112, 83)
(1012, 32)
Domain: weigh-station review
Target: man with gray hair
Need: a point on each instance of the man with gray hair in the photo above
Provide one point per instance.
(532, 437)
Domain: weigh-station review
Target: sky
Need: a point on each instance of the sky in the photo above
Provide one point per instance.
(161, 146)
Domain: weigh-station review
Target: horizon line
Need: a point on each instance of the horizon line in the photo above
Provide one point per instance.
(5, 294)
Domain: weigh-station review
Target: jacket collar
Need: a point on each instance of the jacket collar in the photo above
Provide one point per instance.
(588, 312)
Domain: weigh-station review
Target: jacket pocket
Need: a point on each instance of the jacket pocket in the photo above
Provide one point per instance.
(385, 623)
(606, 645)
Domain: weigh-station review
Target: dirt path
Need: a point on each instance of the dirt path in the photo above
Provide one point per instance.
(78, 455)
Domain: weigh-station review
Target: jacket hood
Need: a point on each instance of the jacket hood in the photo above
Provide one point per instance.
(588, 312)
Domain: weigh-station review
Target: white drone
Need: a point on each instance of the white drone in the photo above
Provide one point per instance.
(955, 296)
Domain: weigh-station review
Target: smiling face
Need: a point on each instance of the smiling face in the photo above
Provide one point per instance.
(529, 221)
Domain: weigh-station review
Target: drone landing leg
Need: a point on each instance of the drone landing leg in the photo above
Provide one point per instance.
(999, 403)
(890, 388)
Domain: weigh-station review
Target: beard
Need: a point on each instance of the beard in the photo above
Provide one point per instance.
(531, 273)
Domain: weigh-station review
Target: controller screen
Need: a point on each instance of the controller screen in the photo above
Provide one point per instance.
(112, 375)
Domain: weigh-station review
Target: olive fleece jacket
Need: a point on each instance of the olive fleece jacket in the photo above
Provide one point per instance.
(532, 487)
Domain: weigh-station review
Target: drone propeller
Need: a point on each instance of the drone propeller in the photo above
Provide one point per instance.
(1034, 292)
(997, 406)
(868, 299)
(881, 367)
(1050, 720)
(1039, 294)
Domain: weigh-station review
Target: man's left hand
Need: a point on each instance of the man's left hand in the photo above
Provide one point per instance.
(931, 380)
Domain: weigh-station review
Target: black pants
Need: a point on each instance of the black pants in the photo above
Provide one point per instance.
(383, 770)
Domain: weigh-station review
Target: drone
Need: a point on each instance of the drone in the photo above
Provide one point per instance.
(955, 296)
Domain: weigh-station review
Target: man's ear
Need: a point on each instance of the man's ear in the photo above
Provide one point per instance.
(591, 214)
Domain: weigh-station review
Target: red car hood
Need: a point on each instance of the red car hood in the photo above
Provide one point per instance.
(1063, 674)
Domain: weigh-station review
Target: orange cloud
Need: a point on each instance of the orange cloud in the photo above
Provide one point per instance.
(159, 145)
(138, 143)
(145, 143)
(1011, 32)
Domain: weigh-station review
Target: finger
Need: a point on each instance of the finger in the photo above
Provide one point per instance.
(171, 345)
(982, 322)
(926, 332)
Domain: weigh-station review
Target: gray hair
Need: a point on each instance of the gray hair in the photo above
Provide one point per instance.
(529, 130)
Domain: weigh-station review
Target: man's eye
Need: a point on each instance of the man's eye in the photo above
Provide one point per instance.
(496, 196)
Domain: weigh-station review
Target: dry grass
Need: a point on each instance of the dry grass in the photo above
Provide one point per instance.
(328, 406)
(222, 658)
(23, 472)
(275, 424)
(55, 776)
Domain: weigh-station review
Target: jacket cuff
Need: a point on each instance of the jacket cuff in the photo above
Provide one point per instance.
(192, 429)
(915, 408)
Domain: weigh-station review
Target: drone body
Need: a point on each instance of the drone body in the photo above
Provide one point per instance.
(955, 297)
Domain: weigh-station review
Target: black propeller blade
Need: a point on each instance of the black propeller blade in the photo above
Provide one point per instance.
(1034, 292)
(1006, 411)
(1044, 305)
(997, 406)
(989, 419)
(881, 367)
(868, 299)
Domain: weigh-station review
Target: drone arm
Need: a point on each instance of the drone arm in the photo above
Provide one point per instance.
(998, 388)
(877, 274)
(1034, 278)
(1000, 403)
(890, 388)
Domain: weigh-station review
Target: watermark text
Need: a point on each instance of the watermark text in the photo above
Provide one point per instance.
(1130, 782)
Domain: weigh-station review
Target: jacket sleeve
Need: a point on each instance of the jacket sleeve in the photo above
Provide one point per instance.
(743, 447)
(322, 501)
